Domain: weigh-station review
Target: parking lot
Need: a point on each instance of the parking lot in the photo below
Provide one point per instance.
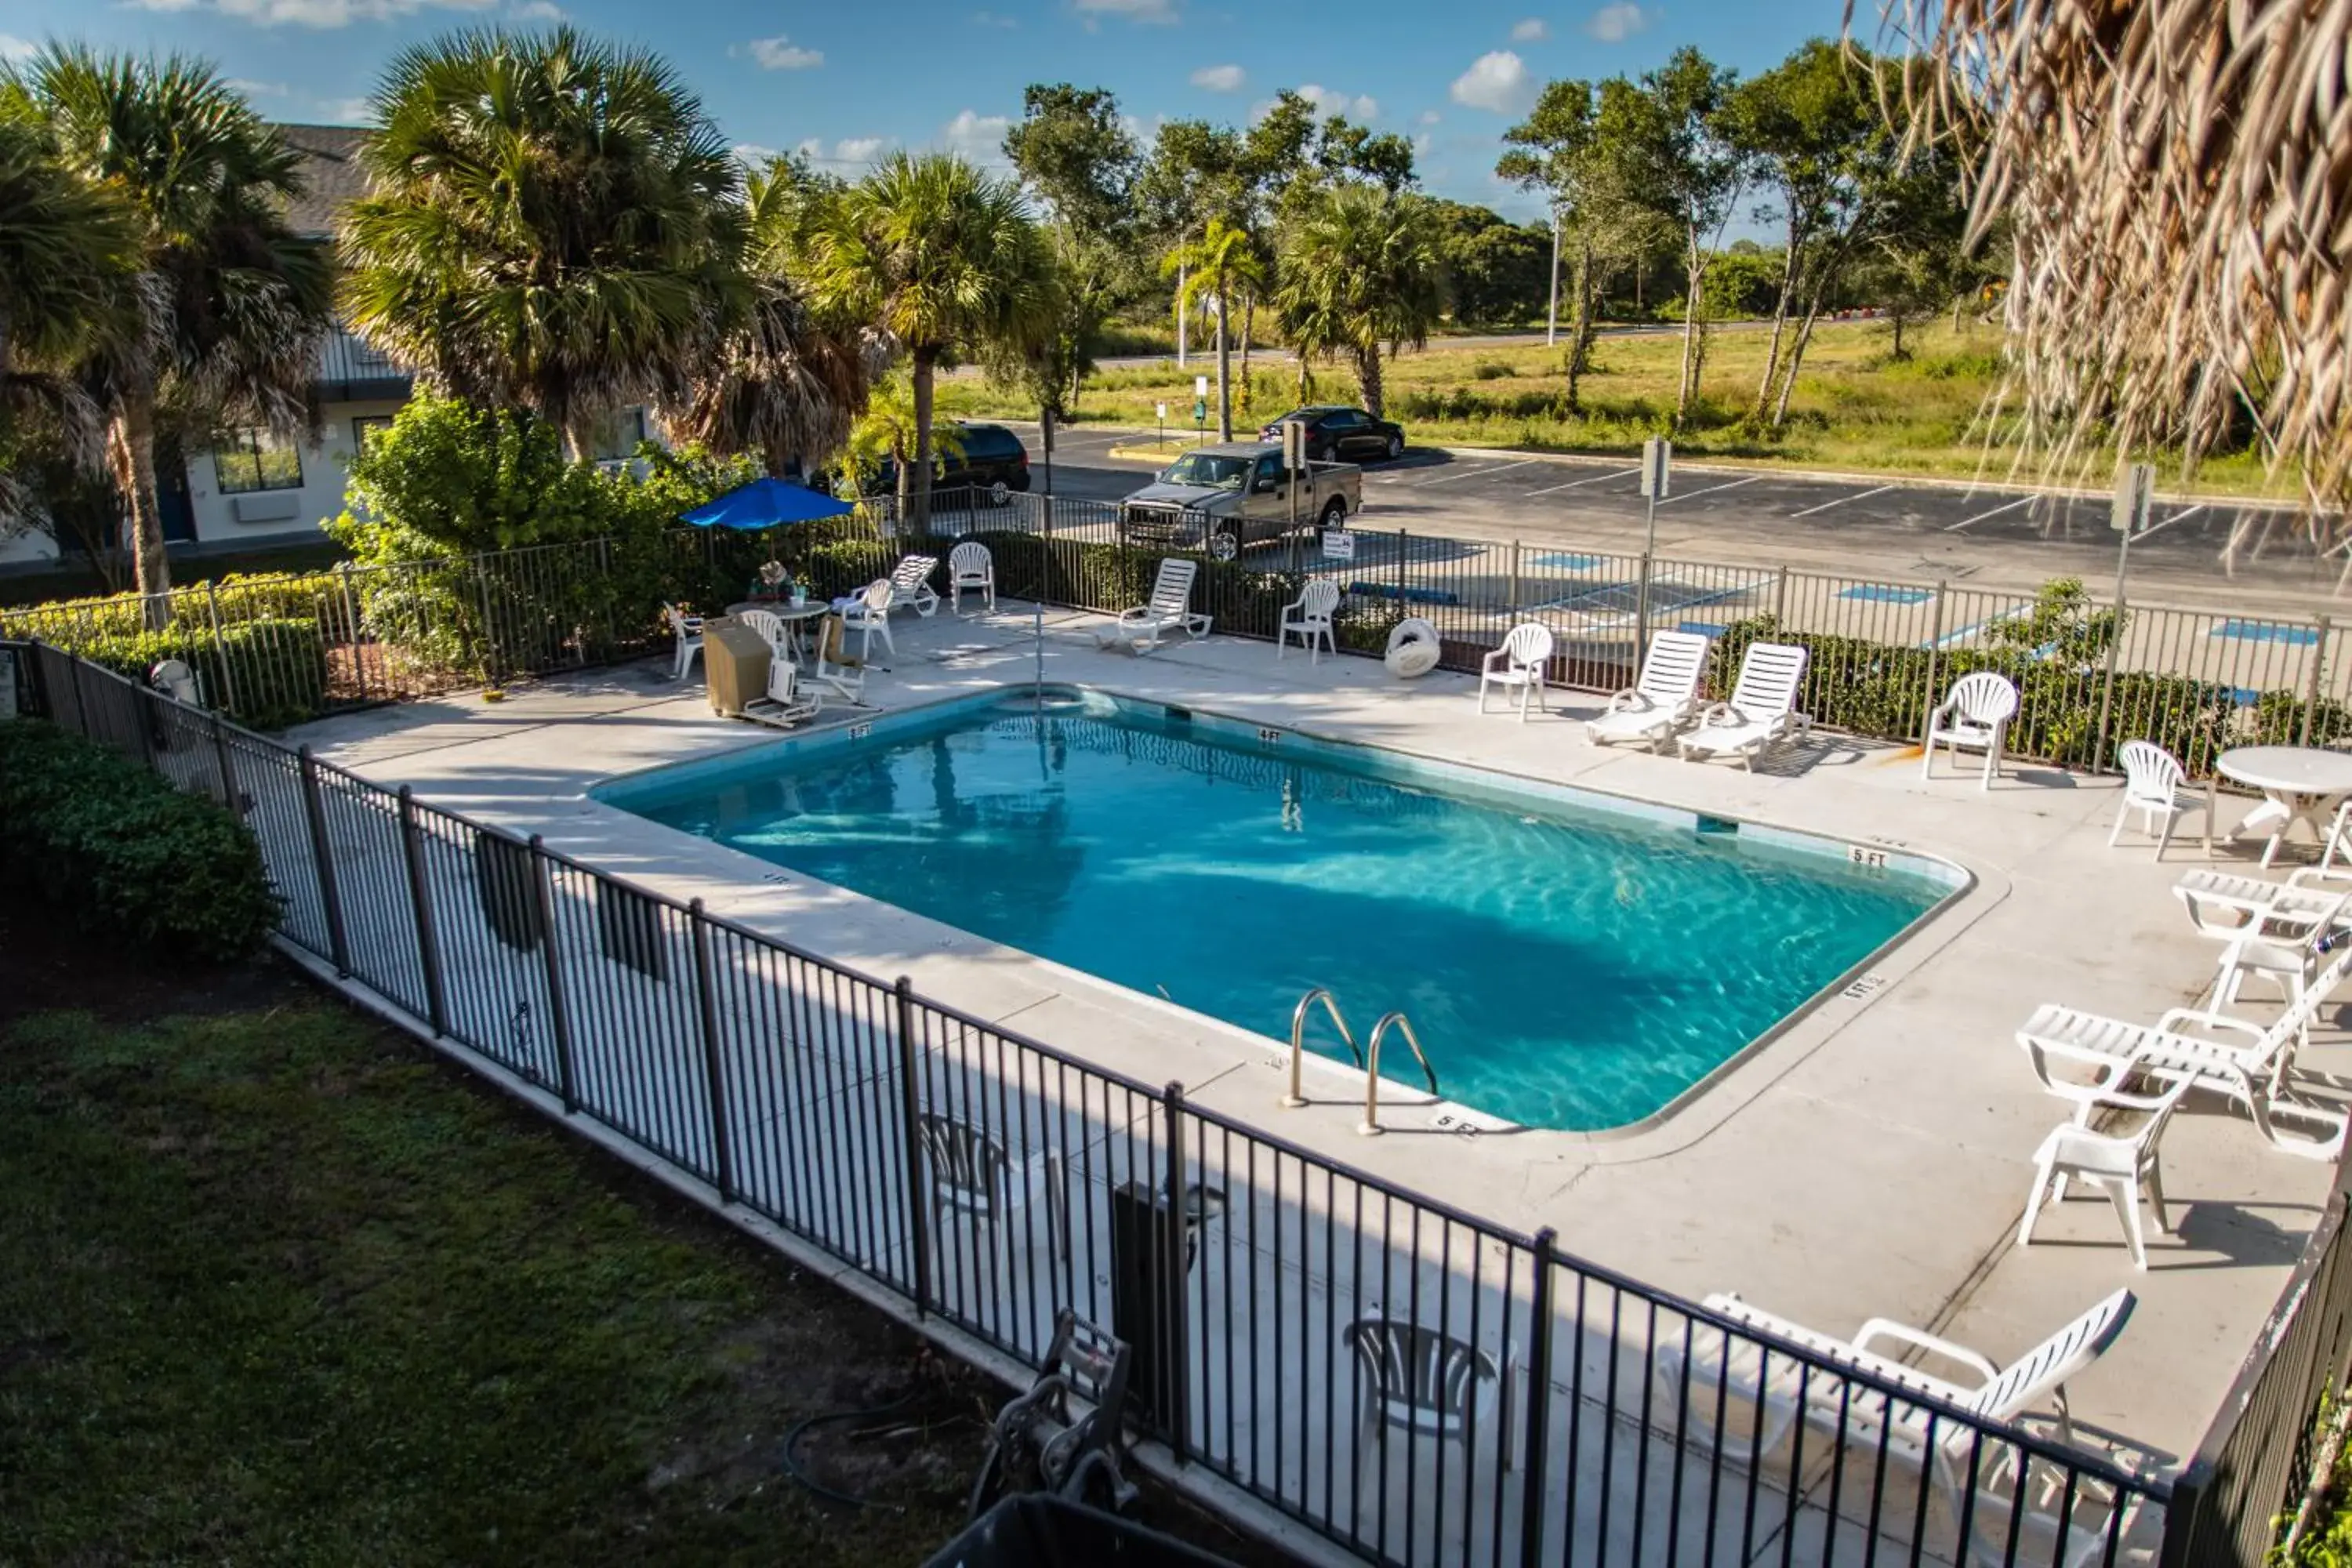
(2200, 553)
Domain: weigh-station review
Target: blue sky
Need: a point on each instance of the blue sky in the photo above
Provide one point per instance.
(845, 82)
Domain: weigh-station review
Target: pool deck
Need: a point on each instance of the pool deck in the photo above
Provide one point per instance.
(1872, 1160)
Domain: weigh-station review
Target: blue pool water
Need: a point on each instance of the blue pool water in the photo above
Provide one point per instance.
(1570, 962)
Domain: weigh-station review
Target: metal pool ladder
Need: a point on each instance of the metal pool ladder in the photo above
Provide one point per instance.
(1368, 1059)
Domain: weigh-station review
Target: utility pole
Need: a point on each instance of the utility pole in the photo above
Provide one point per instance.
(1551, 312)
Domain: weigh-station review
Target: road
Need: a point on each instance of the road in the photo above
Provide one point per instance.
(1986, 536)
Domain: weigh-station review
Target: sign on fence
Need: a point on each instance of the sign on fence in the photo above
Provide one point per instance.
(1338, 544)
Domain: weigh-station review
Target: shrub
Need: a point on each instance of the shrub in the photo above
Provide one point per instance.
(267, 673)
(124, 854)
(1492, 370)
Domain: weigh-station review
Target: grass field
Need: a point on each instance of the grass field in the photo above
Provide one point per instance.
(1855, 408)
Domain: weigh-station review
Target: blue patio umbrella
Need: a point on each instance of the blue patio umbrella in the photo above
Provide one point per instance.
(766, 503)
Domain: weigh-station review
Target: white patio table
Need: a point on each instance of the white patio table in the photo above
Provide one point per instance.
(2299, 784)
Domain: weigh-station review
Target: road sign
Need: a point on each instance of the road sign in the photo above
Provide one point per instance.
(1201, 386)
(1200, 411)
(1657, 463)
(1163, 414)
(1338, 544)
(2135, 492)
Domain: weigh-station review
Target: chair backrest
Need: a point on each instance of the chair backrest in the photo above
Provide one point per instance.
(173, 679)
(770, 629)
(783, 680)
(1412, 628)
(678, 619)
(971, 561)
(1424, 1374)
(967, 1166)
(912, 573)
(1171, 591)
(2150, 772)
(1769, 676)
(1319, 600)
(1528, 644)
(878, 594)
(1669, 675)
(1983, 697)
(2023, 1383)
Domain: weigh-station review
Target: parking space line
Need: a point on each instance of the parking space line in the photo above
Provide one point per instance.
(2012, 506)
(1840, 500)
(1686, 495)
(1594, 479)
(1472, 473)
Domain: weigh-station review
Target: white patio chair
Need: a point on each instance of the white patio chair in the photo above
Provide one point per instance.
(2286, 943)
(773, 631)
(969, 565)
(2248, 1063)
(1139, 629)
(1662, 698)
(1519, 665)
(1425, 1383)
(788, 703)
(975, 1176)
(911, 585)
(1974, 717)
(867, 613)
(688, 630)
(174, 680)
(1413, 648)
(1762, 710)
(1784, 1387)
(1308, 618)
(2154, 783)
(2121, 1164)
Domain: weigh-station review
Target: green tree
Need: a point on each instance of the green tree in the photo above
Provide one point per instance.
(1360, 270)
(552, 223)
(885, 433)
(1196, 172)
(1077, 157)
(941, 257)
(1217, 267)
(228, 304)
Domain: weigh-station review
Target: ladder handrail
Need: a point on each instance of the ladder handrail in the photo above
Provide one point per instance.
(1372, 1123)
(1293, 1100)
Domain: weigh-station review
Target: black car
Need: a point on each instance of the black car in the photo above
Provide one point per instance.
(987, 462)
(1341, 435)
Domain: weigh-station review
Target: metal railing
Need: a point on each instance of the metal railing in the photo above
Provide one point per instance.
(1293, 1316)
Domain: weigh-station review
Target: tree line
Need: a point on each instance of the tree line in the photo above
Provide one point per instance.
(554, 228)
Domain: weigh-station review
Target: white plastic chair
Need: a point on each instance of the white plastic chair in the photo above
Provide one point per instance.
(174, 680)
(1762, 710)
(1425, 1383)
(2285, 944)
(868, 613)
(2153, 786)
(788, 703)
(1141, 629)
(1519, 665)
(910, 581)
(688, 629)
(1413, 648)
(1308, 618)
(1662, 698)
(772, 630)
(974, 1175)
(969, 565)
(1974, 717)
(2122, 1166)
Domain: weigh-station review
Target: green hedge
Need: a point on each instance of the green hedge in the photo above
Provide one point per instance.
(238, 596)
(123, 854)
(266, 674)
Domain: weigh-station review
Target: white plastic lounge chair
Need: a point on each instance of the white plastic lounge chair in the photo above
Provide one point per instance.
(1662, 698)
(910, 583)
(969, 565)
(788, 703)
(688, 629)
(1425, 1383)
(2153, 786)
(1974, 717)
(1762, 710)
(2122, 1165)
(1308, 618)
(174, 680)
(1413, 648)
(2246, 1062)
(975, 1176)
(867, 613)
(1139, 629)
(1782, 1388)
(1519, 665)
(2271, 929)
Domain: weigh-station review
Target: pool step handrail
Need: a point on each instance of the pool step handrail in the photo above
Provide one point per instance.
(1293, 1100)
(1371, 1125)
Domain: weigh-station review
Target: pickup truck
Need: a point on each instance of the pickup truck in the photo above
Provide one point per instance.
(1222, 498)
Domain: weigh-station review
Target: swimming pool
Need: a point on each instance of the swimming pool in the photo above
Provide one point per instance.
(1569, 960)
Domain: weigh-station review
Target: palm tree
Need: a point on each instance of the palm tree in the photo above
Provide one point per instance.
(1358, 269)
(1220, 265)
(941, 257)
(552, 223)
(228, 302)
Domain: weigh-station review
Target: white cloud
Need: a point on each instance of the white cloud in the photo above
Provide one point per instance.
(12, 47)
(976, 136)
(751, 153)
(1431, 117)
(1326, 102)
(1496, 81)
(345, 110)
(1531, 31)
(235, 84)
(991, 19)
(540, 11)
(859, 149)
(311, 13)
(1616, 22)
(1155, 12)
(781, 54)
(1220, 78)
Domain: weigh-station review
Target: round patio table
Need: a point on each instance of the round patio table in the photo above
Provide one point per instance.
(784, 610)
(2299, 784)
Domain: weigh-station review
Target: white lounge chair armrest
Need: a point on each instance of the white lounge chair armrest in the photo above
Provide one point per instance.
(1500, 656)
(2180, 1020)
(2318, 876)
(1626, 700)
(1943, 711)
(1888, 1329)
(1140, 612)
(1721, 713)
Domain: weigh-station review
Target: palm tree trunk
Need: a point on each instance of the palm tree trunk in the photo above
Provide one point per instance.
(1249, 323)
(133, 440)
(1368, 380)
(925, 361)
(1224, 372)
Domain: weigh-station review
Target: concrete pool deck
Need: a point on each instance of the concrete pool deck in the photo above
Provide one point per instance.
(1870, 1161)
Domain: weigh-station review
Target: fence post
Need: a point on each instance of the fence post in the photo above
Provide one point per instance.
(220, 648)
(1532, 1457)
(2184, 1510)
(1401, 552)
(1935, 652)
(2107, 691)
(542, 882)
(706, 994)
(351, 628)
(429, 947)
(1780, 599)
(1176, 1374)
(1514, 580)
(81, 694)
(919, 1213)
(323, 855)
(1642, 610)
(228, 774)
(2311, 688)
(142, 702)
(490, 634)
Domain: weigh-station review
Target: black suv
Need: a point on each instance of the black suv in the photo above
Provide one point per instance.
(991, 464)
(1341, 435)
